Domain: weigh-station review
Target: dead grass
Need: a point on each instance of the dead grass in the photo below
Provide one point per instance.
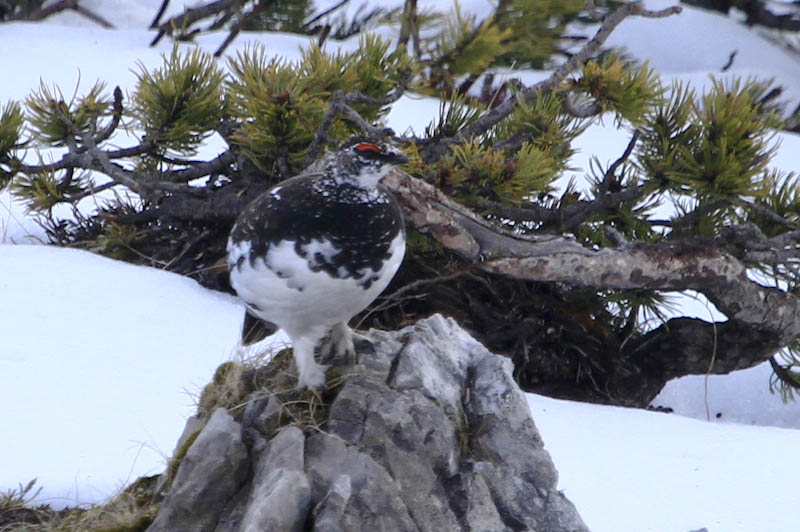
(131, 511)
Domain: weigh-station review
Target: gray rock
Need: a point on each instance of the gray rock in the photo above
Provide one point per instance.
(428, 432)
(209, 475)
(281, 494)
(329, 511)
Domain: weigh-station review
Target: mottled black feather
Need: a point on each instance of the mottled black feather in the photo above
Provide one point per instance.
(316, 207)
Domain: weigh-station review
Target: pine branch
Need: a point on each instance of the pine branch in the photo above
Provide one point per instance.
(42, 13)
(684, 265)
(767, 213)
(493, 117)
(190, 16)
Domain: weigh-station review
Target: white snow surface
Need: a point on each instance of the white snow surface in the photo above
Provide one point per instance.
(100, 360)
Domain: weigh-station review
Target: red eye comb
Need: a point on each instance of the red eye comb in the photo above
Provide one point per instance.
(367, 146)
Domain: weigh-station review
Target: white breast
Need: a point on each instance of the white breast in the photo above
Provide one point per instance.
(282, 289)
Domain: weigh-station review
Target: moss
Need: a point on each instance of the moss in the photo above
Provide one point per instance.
(139, 524)
(177, 458)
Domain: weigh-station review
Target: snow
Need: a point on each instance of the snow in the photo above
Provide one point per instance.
(631, 470)
(101, 360)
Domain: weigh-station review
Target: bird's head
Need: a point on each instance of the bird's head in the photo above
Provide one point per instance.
(369, 160)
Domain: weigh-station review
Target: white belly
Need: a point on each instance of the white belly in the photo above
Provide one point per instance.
(299, 300)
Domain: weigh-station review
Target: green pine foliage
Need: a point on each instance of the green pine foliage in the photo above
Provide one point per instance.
(473, 171)
(718, 145)
(454, 113)
(735, 145)
(536, 28)
(621, 88)
(666, 133)
(179, 104)
(779, 194)
(11, 120)
(48, 113)
(281, 104)
(46, 190)
(543, 121)
(469, 47)
(11, 123)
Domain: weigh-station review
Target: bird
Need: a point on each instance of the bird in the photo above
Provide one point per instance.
(316, 249)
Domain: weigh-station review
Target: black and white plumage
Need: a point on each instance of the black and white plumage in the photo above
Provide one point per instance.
(317, 249)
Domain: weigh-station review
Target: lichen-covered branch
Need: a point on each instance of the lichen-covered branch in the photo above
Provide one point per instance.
(687, 264)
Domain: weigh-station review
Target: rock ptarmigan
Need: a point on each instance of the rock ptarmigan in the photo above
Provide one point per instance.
(317, 249)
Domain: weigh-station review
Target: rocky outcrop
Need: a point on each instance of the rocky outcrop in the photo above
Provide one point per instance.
(428, 432)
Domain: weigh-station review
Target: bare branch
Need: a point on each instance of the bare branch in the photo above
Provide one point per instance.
(94, 17)
(190, 16)
(325, 13)
(665, 266)
(62, 5)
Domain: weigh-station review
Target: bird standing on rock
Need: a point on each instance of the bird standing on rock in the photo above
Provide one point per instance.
(317, 249)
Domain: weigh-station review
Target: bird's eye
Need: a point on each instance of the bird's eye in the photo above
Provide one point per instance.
(367, 147)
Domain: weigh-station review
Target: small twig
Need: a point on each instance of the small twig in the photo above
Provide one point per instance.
(324, 13)
(187, 247)
(400, 294)
(159, 14)
(116, 116)
(610, 176)
(94, 17)
(184, 175)
(784, 373)
(91, 191)
(729, 64)
(100, 156)
(680, 224)
(237, 26)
